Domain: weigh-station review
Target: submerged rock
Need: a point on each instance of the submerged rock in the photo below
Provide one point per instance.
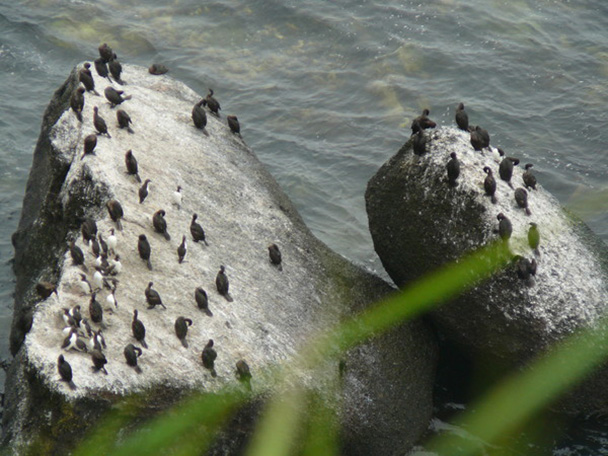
(419, 222)
(272, 312)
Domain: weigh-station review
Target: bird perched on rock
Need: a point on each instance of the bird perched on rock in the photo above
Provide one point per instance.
(65, 371)
(525, 269)
(243, 373)
(534, 237)
(46, 289)
(200, 296)
(484, 137)
(105, 52)
(221, 283)
(99, 361)
(112, 241)
(152, 297)
(158, 69)
(234, 125)
(182, 250)
(74, 342)
(181, 329)
(196, 230)
(208, 356)
(143, 247)
(115, 69)
(116, 212)
(275, 256)
(124, 120)
(422, 122)
(419, 141)
(131, 353)
(76, 254)
(86, 77)
(99, 123)
(505, 169)
(212, 103)
(521, 197)
(139, 330)
(97, 281)
(476, 140)
(102, 68)
(84, 284)
(489, 184)
(95, 247)
(95, 310)
(115, 96)
(88, 229)
(177, 197)
(77, 102)
(131, 163)
(199, 116)
(462, 119)
(453, 168)
(90, 142)
(143, 191)
(160, 224)
(114, 265)
(505, 228)
(528, 177)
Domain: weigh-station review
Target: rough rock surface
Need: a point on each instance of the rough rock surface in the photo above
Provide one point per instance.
(242, 209)
(419, 222)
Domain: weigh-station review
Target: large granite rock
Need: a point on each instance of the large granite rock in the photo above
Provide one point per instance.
(418, 222)
(388, 381)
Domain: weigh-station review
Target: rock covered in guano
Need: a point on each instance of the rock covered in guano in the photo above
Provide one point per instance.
(272, 313)
(419, 222)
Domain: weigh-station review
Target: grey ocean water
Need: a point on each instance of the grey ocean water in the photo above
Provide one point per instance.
(325, 91)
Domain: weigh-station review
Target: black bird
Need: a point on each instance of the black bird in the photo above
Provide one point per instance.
(115, 68)
(529, 178)
(152, 297)
(521, 197)
(105, 52)
(99, 361)
(46, 289)
(143, 247)
(160, 224)
(275, 256)
(90, 142)
(65, 371)
(143, 191)
(419, 141)
(131, 163)
(88, 229)
(95, 247)
(102, 68)
(139, 330)
(76, 314)
(158, 69)
(505, 228)
(99, 123)
(533, 237)
(95, 310)
(200, 296)
(77, 102)
(489, 184)
(86, 77)
(221, 283)
(476, 140)
(453, 168)
(131, 353)
(505, 169)
(116, 212)
(181, 329)
(208, 356)
(76, 254)
(124, 120)
(243, 373)
(525, 269)
(182, 250)
(196, 230)
(212, 103)
(462, 119)
(103, 244)
(115, 96)
(199, 116)
(234, 125)
(484, 136)
(422, 122)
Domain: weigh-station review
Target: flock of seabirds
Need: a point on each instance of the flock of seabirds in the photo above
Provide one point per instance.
(480, 139)
(80, 333)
